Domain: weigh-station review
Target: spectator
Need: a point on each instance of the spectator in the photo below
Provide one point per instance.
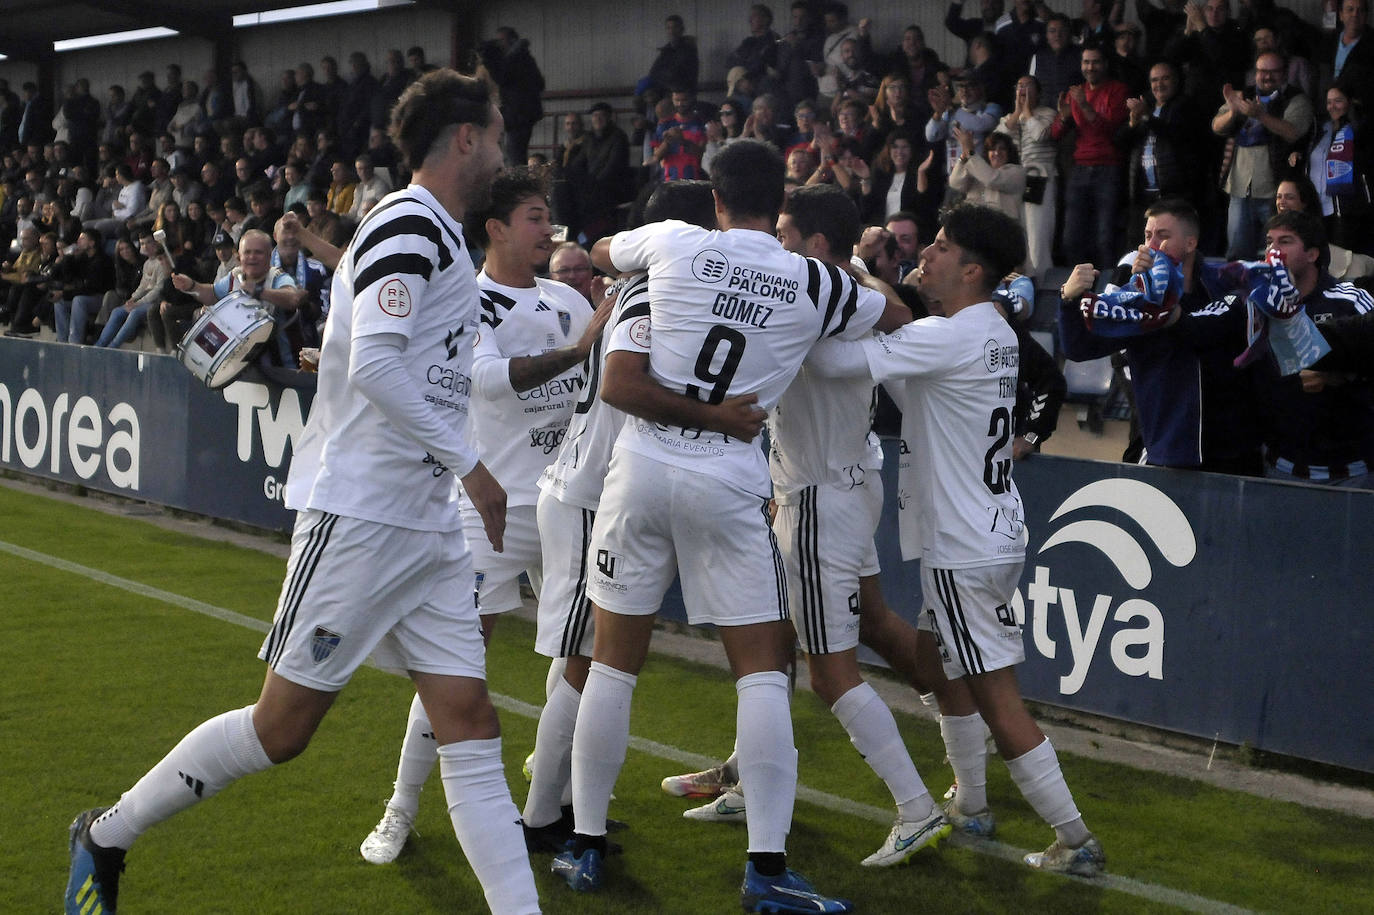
(676, 66)
(513, 69)
(1301, 73)
(308, 107)
(371, 188)
(310, 275)
(903, 226)
(323, 221)
(343, 183)
(892, 182)
(199, 229)
(913, 60)
(83, 121)
(280, 116)
(1212, 50)
(1267, 123)
(973, 114)
(986, 68)
(143, 116)
(117, 112)
(1349, 54)
(1028, 125)
(853, 79)
(1125, 62)
(995, 178)
(605, 182)
(390, 86)
(1322, 426)
(128, 272)
(1194, 408)
(185, 188)
(247, 179)
(35, 116)
(680, 139)
(842, 164)
(126, 320)
(990, 11)
(293, 175)
(1298, 194)
(1019, 35)
(722, 130)
(170, 99)
(1161, 24)
(757, 54)
(189, 118)
(1094, 28)
(1339, 164)
(415, 60)
(797, 51)
(160, 190)
(1163, 158)
(86, 274)
(216, 100)
(1057, 64)
(1095, 110)
(246, 99)
(256, 276)
(571, 264)
(332, 88)
(838, 30)
(132, 199)
(356, 107)
(17, 275)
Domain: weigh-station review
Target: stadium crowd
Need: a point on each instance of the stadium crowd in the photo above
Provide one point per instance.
(1075, 126)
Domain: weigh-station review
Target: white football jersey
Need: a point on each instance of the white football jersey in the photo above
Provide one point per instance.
(577, 475)
(731, 313)
(517, 433)
(962, 509)
(407, 272)
(819, 434)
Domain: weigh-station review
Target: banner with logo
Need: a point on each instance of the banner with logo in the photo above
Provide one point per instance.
(1216, 606)
(140, 425)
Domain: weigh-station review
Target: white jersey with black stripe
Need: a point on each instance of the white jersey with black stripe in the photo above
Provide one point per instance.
(732, 312)
(962, 506)
(518, 432)
(576, 476)
(819, 434)
(406, 272)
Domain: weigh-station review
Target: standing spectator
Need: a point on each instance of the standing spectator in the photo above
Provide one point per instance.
(676, 66)
(757, 54)
(11, 110)
(1020, 33)
(838, 30)
(35, 116)
(1095, 110)
(118, 111)
(1340, 163)
(892, 184)
(1094, 28)
(606, 184)
(216, 99)
(390, 87)
(914, 61)
(1301, 72)
(796, 52)
(511, 65)
(1161, 137)
(415, 60)
(332, 88)
(680, 140)
(308, 107)
(170, 99)
(1125, 62)
(1029, 125)
(986, 21)
(1161, 24)
(189, 118)
(1266, 123)
(356, 108)
(143, 116)
(1056, 65)
(974, 114)
(246, 97)
(1349, 54)
(83, 121)
(1212, 49)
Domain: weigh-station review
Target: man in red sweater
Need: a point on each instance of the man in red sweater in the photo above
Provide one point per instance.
(1094, 109)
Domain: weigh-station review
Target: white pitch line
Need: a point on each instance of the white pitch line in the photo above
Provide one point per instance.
(1151, 891)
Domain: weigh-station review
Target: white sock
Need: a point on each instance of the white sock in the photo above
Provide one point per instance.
(487, 823)
(873, 731)
(767, 758)
(552, 764)
(207, 760)
(599, 743)
(968, 757)
(556, 668)
(1041, 781)
(418, 756)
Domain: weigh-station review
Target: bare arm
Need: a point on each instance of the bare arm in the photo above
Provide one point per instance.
(531, 371)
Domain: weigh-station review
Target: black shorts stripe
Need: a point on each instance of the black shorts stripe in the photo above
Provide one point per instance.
(297, 585)
(779, 568)
(969, 655)
(399, 264)
(809, 564)
(409, 224)
(580, 613)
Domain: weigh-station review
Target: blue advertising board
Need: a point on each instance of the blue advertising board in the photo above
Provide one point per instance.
(1207, 605)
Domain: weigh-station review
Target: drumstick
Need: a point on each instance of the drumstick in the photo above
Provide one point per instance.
(160, 236)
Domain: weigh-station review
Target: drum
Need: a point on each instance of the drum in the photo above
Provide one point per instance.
(218, 345)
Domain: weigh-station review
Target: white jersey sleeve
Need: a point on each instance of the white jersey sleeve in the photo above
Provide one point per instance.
(518, 432)
(576, 476)
(407, 273)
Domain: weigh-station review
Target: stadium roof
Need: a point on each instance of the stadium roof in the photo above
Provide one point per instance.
(34, 29)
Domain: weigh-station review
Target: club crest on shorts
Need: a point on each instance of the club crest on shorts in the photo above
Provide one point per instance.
(564, 321)
(323, 643)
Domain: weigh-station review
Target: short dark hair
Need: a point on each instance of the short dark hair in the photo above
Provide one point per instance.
(1178, 208)
(508, 189)
(431, 105)
(689, 201)
(1307, 227)
(829, 210)
(988, 237)
(901, 216)
(748, 177)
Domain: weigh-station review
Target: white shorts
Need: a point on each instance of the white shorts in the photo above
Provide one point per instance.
(657, 519)
(498, 574)
(826, 537)
(565, 613)
(355, 588)
(969, 610)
